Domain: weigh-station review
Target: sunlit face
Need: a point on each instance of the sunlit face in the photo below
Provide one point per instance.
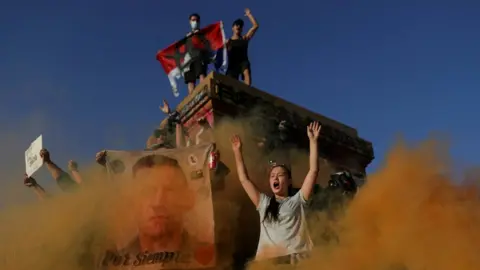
(162, 199)
(237, 29)
(279, 181)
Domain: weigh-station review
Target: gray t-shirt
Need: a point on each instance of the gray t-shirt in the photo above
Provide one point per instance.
(289, 234)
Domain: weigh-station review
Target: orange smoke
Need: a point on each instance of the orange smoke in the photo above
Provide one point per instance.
(409, 215)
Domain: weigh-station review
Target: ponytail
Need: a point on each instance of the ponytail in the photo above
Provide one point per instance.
(272, 211)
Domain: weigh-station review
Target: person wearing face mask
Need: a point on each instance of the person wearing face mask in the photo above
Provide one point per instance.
(283, 233)
(237, 47)
(198, 66)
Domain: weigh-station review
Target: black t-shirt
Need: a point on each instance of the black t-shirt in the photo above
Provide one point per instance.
(238, 51)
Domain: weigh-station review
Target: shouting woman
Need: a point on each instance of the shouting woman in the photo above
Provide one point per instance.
(283, 232)
(237, 46)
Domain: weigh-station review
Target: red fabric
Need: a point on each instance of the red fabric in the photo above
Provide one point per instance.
(213, 33)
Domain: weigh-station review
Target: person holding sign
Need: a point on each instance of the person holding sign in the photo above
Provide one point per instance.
(30, 182)
(237, 47)
(283, 231)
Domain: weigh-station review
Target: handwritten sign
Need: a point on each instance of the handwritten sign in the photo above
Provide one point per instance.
(33, 161)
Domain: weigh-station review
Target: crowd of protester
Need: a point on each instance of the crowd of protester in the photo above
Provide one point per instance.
(281, 211)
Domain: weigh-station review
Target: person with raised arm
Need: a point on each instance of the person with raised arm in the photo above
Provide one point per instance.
(283, 230)
(73, 168)
(63, 179)
(173, 117)
(237, 47)
(30, 182)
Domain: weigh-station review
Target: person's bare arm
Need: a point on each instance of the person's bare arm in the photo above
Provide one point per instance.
(251, 32)
(248, 186)
(63, 179)
(179, 136)
(54, 170)
(73, 168)
(313, 132)
(165, 108)
(39, 190)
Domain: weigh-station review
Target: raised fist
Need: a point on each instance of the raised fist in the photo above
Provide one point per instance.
(101, 157)
(45, 155)
(72, 165)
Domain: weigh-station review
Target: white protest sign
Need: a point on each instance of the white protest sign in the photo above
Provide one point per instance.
(33, 161)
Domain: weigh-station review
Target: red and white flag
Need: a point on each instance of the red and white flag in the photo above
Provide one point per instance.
(176, 58)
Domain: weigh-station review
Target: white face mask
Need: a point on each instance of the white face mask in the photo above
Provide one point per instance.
(194, 25)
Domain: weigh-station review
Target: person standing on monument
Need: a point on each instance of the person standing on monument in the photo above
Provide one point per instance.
(284, 236)
(197, 68)
(237, 47)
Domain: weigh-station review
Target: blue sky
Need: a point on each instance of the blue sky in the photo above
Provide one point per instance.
(84, 73)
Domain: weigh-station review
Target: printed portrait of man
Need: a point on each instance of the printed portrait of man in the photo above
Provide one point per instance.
(161, 202)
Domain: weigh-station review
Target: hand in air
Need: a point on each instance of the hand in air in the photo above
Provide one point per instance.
(72, 165)
(101, 157)
(165, 107)
(313, 130)
(29, 181)
(236, 142)
(45, 155)
(247, 12)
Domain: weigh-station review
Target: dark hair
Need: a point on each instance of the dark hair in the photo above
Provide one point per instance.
(194, 15)
(151, 161)
(238, 22)
(273, 207)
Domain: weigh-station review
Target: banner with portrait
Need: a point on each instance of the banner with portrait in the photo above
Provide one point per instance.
(168, 198)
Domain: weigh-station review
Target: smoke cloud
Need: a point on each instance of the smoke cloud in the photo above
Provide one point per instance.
(409, 215)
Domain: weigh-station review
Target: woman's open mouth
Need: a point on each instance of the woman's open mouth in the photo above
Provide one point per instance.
(276, 185)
